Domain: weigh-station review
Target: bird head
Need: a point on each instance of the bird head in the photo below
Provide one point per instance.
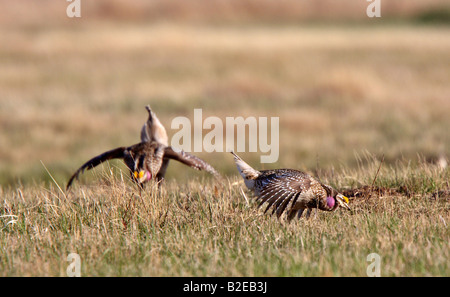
(142, 176)
(335, 199)
(342, 201)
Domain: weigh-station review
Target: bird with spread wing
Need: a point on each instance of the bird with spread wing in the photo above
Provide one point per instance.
(148, 159)
(289, 189)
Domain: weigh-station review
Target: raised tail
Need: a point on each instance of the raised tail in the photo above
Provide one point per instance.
(153, 130)
(246, 171)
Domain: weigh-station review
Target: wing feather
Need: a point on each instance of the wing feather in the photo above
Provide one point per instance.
(266, 195)
(189, 160)
(269, 193)
(291, 213)
(278, 196)
(282, 188)
(112, 154)
(282, 206)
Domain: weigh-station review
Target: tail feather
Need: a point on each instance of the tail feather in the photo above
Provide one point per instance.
(153, 129)
(246, 171)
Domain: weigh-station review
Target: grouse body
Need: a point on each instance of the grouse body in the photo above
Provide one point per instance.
(148, 159)
(289, 190)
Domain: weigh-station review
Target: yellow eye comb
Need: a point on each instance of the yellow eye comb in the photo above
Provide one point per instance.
(345, 199)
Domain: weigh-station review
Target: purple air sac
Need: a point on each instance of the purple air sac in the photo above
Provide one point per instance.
(330, 202)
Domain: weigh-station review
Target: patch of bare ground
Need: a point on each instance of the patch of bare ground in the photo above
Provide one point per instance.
(366, 192)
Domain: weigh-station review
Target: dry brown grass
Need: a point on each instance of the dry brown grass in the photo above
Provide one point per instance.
(202, 228)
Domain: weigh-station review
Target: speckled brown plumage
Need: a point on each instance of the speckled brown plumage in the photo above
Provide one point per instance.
(153, 130)
(148, 159)
(289, 190)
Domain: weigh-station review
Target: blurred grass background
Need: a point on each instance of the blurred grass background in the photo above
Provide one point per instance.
(342, 84)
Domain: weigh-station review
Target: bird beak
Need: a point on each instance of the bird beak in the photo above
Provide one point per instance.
(140, 176)
(343, 201)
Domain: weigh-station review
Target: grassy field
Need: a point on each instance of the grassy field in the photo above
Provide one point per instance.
(346, 94)
(204, 228)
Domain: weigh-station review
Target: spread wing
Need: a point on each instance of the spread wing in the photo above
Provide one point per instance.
(280, 187)
(189, 160)
(112, 154)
